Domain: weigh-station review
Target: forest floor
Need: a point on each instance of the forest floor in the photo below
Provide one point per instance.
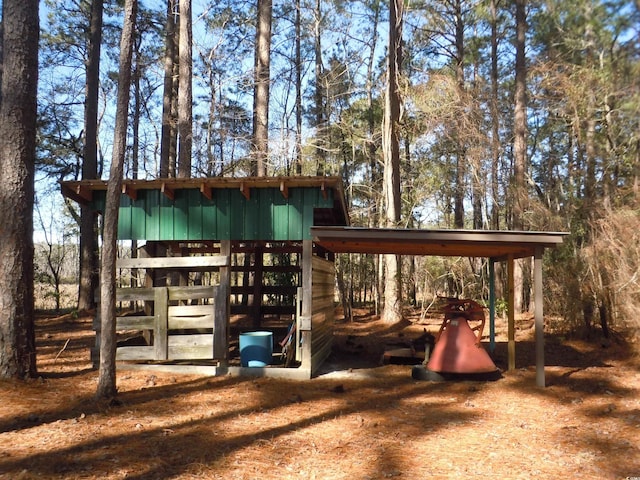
(358, 420)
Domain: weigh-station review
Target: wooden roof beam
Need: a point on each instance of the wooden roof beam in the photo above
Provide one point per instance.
(284, 189)
(206, 191)
(130, 191)
(245, 190)
(168, 191)
(80, 193)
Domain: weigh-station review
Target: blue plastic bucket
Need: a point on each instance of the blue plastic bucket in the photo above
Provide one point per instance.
(256, 349)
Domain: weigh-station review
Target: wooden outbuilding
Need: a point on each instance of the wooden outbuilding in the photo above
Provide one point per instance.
(227, 255)
(217, 249)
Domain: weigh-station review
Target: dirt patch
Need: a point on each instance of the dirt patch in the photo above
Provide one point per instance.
(357, 420)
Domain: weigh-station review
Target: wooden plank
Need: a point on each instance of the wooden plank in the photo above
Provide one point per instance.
(266, 290)
(135, 322)
(206, 191)
(191, 340)
(323, 264)
(319, 357)
(192, 292)
(188, 347)
(135, 353)
(167, 190)
(174, 262)
(160, 304)
(238, 309)
(292, 269)
(201, 322)
(133, 294)
(323, 303)
(321, 291)
(190, 310)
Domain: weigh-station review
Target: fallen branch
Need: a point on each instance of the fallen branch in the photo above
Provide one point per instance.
(62, 350)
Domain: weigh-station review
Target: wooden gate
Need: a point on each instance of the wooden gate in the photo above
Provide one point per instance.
(181, 327)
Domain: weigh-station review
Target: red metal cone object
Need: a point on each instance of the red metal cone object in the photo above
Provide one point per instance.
(456, 351)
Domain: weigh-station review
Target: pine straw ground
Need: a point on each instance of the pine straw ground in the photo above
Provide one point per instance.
(353, 422)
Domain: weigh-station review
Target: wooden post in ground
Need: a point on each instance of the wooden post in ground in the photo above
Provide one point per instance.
(511, 327)
(539, 316)
(492, 305)
(256, 307)
(160, 331)
(222, 309)
(307, 303)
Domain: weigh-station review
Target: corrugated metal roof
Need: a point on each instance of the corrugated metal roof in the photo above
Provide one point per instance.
(464, 243)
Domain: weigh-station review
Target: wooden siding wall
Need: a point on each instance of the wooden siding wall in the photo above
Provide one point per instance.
(266, 215)
(322, 317)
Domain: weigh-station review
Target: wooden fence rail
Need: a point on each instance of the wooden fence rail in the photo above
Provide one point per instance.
(183, 324)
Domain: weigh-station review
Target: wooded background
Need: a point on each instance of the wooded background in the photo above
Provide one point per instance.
(502, 115)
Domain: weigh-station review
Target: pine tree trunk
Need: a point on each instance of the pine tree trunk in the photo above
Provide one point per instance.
(495, 119)
(391, 150)
(17, 153)
(260, 145)
(520, 196)
(318, 96)
(168, 118)
(299, 66)
(88, 283)
(461, 160)
(107, 373)
(185, 92)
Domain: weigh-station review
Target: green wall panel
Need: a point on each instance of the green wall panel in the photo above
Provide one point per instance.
(209, 218)
(280, 217)
(166, 218)
(152, 210)
(250, 217)
(265, 215)
(265, 220)
(124, 218)
(138, 219)
(223, 207)
(181, 215)
(236, 214)
(195, 214)
(296, 202)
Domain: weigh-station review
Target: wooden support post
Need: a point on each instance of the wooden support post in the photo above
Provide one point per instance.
(148, 251)
(307, 302)
(492, 305)
(160, 331)
(256, 307)
(539, 316)
(511, 327)
(222, 309)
